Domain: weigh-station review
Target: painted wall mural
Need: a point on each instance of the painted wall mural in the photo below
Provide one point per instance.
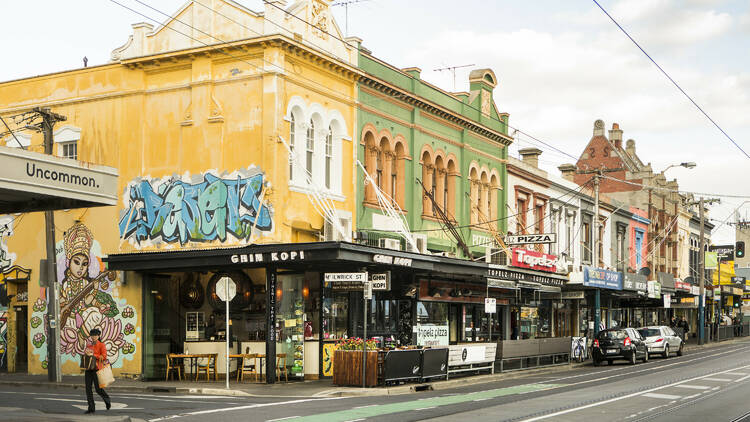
(197, 208)
(6, 230)
(89, 298)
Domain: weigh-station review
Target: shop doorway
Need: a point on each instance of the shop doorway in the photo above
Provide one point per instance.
(22, 339)
(161, 325)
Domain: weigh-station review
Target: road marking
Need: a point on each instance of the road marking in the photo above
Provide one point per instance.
(692, 396)
(115, 405)
(737, 373)
(662, 396)
(718, 379)
(627, 396)
(694, 387)
(428, 403)
(282, 419)
(424, 408)
(231, 409)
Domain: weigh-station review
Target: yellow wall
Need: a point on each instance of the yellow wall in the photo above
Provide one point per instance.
(184, 116)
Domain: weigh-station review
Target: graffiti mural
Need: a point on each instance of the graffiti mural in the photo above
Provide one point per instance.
(89, 298)
(6, 230)
(198, 208)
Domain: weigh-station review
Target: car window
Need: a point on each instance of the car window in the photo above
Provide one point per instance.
(668, 331)
(613, 335)
(649, 332)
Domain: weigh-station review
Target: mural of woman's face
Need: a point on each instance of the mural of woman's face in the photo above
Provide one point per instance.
(79, 265)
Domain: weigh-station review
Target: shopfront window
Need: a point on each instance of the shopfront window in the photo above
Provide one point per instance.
(536, 321)
(292, 321)
(335, 314)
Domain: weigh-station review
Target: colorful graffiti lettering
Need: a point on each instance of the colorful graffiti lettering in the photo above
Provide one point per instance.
(3, 338)
(89, 298)
(202, 210)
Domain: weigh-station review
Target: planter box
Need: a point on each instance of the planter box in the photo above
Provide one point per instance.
(347, 368)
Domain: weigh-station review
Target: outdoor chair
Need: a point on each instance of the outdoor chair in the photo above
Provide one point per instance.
(173, 366)
(281, 367)
(248, 366)
(207, 365)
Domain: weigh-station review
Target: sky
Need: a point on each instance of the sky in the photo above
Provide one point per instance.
(561, 65)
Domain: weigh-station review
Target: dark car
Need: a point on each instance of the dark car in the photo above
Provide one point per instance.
(619, 343)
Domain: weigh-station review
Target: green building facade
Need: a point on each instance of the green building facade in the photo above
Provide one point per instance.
(454, 143)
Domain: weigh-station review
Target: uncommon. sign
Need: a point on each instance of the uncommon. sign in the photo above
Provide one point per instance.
(40, 180)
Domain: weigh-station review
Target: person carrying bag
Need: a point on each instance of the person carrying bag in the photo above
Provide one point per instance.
(98, 372)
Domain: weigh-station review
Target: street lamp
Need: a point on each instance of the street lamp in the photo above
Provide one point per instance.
(687, 165)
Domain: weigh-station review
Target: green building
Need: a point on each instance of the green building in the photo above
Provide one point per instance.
(454, 143)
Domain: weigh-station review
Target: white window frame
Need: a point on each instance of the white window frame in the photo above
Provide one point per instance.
(67, 135)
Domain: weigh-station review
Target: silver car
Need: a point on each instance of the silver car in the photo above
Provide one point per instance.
(662, 339)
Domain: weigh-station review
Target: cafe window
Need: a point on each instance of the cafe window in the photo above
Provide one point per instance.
(293, 320)
(335, 314)
(536, 321)
(432, 313)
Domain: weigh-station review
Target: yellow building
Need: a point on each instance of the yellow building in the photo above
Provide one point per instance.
(195, 113)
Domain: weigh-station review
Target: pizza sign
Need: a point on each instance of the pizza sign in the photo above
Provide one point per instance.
(534, 260)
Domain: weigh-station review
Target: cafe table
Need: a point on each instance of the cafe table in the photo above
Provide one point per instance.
(193, 358)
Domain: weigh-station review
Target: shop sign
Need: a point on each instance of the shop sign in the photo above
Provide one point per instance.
(738, 280)
(250, 258)
(501, 284)
(526, 239)
(432, 335)
(666, 280)
(681, 285)
(392, 260)
(695, 290)
(490, 305)
(381, 281)
(534, 260)
(505, 274)
(654, 289)
(605, 279)
(736, 291)
(723, 252)
(571, 295)
(634, 282)
(667, 300)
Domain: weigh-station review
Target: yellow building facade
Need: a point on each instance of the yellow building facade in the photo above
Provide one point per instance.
(198, 114)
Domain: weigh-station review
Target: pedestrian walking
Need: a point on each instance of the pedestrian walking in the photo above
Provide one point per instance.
(685, 327)
(96, 353)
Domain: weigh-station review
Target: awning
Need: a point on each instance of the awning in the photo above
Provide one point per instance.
(519, 275)
(30, 181)
(667, 281)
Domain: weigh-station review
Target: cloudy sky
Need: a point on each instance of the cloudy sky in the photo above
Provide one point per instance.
(561, 65)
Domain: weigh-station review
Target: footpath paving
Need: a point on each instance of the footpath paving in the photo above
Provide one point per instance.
(316, 388)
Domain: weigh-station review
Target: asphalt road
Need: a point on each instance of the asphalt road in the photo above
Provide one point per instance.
(712, 384)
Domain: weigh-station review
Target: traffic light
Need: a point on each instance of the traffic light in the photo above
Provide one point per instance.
(739, 249)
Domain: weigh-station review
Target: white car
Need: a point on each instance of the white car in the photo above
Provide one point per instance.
(662, 339)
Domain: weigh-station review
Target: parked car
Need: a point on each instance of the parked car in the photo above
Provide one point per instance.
(619, 343)
(662, 339)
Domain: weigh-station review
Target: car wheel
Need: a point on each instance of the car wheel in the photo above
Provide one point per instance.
(679, 351)
(645, 357)
(666, 351)
(609, 362)
(633, 358)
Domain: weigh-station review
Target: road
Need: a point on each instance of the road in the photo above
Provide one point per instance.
(711, 384)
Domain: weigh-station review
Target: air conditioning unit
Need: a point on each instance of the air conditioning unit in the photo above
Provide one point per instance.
(421, 241)
(495, 256)
(386, 243)
(330, 233)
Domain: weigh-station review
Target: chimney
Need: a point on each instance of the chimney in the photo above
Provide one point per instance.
(413, 71)
(630, 147)
(615, 135)
(568, 171)
(530, 156)
(599, 127)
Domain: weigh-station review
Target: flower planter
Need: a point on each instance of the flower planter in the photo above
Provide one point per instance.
(347, 368)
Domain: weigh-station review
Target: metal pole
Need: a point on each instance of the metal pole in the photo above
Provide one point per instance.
(364, 336)
(702, 294)
(226, 299)
(595, 255)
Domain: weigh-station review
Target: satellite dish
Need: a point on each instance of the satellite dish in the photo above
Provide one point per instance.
(645, 271)
(689, 279)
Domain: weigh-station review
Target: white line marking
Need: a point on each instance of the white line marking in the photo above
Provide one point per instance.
(355, 420)
(362, 407)
(482, 399)
(282, 419)
(694, 387)
(575, 409)
(662, 396)
(737, 373)
(718, 379)
(425, 408)
(691, 396)
(231, 409)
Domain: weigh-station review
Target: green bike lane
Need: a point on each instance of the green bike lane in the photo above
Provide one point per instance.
(387, 409)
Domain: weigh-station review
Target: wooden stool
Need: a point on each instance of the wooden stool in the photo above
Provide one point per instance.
(281, 367)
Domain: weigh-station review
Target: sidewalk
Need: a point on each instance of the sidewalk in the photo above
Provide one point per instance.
(318, 388)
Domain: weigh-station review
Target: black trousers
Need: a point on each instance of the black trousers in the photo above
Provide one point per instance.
(91, 380)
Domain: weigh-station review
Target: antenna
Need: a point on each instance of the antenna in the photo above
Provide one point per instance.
(452, 69)
(346, 4)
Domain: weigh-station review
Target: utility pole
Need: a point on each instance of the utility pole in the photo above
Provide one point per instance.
(53, 306)
(702, 268)
(597, 175)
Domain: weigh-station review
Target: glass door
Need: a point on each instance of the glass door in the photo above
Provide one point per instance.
(290, 314)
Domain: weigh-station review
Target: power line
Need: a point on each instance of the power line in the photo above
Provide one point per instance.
(670, 79)
(685, 192)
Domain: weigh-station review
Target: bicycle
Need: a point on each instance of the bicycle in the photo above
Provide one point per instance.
(579, 349)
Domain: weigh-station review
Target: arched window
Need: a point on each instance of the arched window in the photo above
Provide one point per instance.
(434, 189)
(399, 185)
(450, 188)
(292, 129)
(445, 194)
(379, 169)
(474, 192)
(394, 178)
(310, 148)
(428, 171)
(329, 156)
